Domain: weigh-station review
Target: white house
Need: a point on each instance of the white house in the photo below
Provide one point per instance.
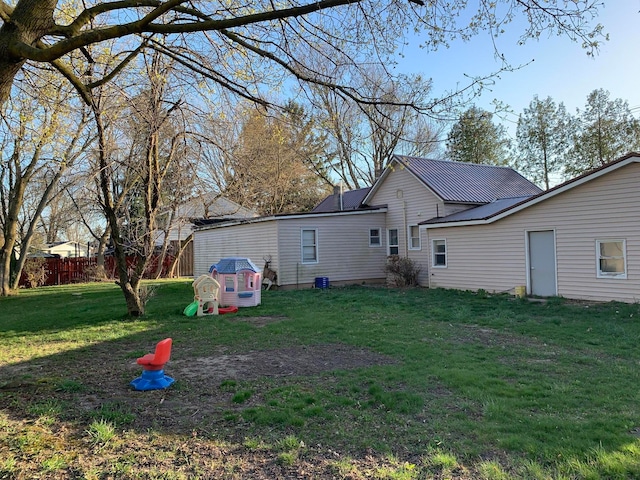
(468, 226)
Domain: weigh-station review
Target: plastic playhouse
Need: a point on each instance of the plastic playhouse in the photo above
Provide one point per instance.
(153, 377)
(240, 281)
(206, 291)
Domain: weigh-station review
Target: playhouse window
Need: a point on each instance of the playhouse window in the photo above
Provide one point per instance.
(229, 284)
(241, 281)
(310, 246)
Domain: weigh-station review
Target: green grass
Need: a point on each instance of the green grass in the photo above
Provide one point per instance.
(475, 386)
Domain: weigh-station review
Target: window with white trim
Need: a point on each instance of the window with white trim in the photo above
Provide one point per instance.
(611, 256)
(375, 240)
(309, 241)
(394, 245)
(414, 238)
(439, 253)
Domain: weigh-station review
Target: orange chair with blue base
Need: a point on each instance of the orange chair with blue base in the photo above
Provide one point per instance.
(153, 377)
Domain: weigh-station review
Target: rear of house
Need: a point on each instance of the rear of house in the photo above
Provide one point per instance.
(579, 240)
(301, 247)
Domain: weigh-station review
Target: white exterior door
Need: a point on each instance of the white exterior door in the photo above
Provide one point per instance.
(542, 263)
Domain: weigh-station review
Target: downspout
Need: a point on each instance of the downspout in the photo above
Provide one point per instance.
(406, 231)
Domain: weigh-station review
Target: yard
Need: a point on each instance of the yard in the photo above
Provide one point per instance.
(353, 383)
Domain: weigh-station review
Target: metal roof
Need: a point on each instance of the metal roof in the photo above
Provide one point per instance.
(460, 182)
(351, 200)
(479, 213)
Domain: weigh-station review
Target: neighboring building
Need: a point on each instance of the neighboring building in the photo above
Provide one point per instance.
(67, 249)
(203, 209)
(468, 226)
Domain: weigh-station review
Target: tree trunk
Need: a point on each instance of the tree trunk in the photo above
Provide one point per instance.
(135, 307)
(10, 238)
(30, 21)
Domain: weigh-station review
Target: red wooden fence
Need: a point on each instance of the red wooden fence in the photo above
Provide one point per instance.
(62, 271)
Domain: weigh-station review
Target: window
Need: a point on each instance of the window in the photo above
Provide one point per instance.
(439, 248)
(414, 237)
(374, 238)
(310, 246)
(394, 248)
(611, 258)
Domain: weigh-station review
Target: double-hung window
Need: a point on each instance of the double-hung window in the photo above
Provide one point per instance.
(394, 245)
(439, 253)
(414, 237)
(375, 240)
(611, 257)
(309, 240)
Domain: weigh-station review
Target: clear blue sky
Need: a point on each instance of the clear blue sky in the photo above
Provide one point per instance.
(560, 69)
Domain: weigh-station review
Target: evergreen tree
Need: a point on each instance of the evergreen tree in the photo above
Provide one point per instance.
(474, 138)
(542, 133)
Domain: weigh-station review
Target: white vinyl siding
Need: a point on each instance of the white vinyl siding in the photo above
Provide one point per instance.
(493, 256)
(309, 242)
(343, 250)
(417, 204)
(209, 246)
(611, 261)
(375, 237)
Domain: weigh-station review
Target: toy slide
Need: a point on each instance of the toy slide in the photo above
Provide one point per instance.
(191, 309)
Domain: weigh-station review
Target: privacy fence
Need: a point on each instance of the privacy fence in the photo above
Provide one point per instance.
(62, 271)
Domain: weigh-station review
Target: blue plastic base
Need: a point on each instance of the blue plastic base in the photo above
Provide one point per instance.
(152, 380)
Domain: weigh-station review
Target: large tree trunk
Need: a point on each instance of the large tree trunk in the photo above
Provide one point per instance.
(10, 238)
(30, 21)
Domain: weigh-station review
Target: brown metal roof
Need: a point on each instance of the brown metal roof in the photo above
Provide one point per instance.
(351, 200)
(460, 182)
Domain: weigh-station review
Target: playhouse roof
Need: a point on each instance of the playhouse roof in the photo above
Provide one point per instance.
(235, 264)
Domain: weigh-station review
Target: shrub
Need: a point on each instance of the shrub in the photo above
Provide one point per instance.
(401, 271)
(35, 271)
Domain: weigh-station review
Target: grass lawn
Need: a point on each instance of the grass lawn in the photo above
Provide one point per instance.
(353, 383)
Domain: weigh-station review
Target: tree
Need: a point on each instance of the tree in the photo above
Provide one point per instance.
(474, 138)
(269, 170)
(44, 134)
(133, 170)
(606, 131)
(363, 138)
(542, 134)
(226, 43)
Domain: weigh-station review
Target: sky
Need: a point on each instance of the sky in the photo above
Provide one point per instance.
(560, 68)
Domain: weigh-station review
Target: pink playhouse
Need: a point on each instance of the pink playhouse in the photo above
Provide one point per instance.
(240, 281)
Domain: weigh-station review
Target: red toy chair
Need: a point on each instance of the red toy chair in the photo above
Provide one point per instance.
(153, 377)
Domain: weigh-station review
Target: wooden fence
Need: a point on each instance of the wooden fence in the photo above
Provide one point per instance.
(62, 271)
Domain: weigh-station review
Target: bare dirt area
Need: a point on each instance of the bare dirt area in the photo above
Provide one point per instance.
(293, 361)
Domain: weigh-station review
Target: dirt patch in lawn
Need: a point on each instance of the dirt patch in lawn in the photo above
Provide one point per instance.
(292, 361)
